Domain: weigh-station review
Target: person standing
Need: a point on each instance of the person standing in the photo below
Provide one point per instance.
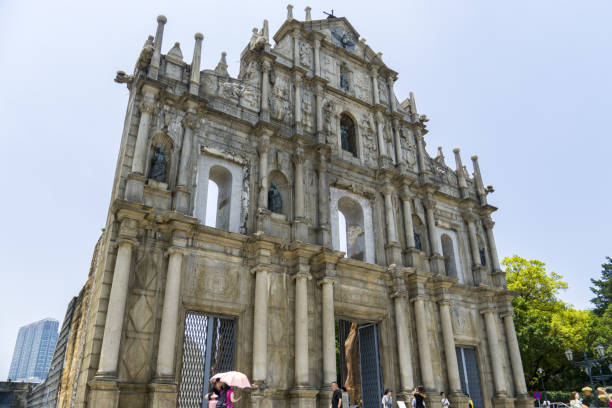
(419, 397)
(575, 401)
(336, 401)
(387, 399)
(470, 402)
(445, 402)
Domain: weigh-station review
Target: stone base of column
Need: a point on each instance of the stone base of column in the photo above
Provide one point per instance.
(181, 200)
(325, 236)
(256, 399)
(325, 396)
(394, 254)
(499, 279)
(321, 138)
(415, 258)
(385, 162)
(436, 262)
(523, 401)
(134, 189)
(156, 195)
(303, 397)
(162, 394)
(458, 400)
(405, 395)
(481, 277)
(264, 116)
(300, 230)
(504, 402)
(103, 393)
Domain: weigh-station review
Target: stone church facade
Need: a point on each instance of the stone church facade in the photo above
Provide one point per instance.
(289, 224)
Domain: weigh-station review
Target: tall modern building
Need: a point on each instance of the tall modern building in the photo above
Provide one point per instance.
(33, 351)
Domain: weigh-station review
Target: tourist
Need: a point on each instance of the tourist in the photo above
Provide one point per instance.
(230, 396)
(419, 397)
(213, 393)
(575, 401)
(387, 399)
(336, 401)
(603, 395)
(445, 402)
(470, 402)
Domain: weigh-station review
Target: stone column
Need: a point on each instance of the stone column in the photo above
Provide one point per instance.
(398, 142)
(390, 81)
(317, 58)
(260, 325)
(113, 328)
(298, 98)
(156, 57)
(374, 78)
(420, 144)
(406, 197)
(382, 147)
(324, 201)
(452, 368)
(515, 355)
(263, 148)
(301, 328)
(194, 80)
(298, 160)
(391, 229)
(423, 343)
(469, 219)
(430, 205)
(329, 331)
(488, 224)
(147, 107)
(296, 47)
(319, 112)
(495, 353)
(403, 342)
(265, 91)
(170, 311)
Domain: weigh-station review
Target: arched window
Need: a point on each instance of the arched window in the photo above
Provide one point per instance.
(219, 209)
(354, 228)
(449, 256)
(347, 134)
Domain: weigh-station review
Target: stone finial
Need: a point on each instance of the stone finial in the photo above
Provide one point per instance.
(194, 81)
(307, 10)
(265, 31)
(221, 68)
(440, 156)
(175, 54)
(289, 12)
(162, 19)
(459, 165)
(482, 193)
(156, 58)
(412, 104)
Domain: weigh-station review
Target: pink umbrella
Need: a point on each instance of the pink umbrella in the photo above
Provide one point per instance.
(233, 379)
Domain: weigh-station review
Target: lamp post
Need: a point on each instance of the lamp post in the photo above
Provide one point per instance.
(541, 372)
(588, 366)
(601, 351)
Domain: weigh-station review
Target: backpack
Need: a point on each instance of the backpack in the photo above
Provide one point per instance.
(222, 401)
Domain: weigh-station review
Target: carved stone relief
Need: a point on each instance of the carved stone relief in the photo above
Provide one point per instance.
(368, 140)
(383, 92)
(305, 55)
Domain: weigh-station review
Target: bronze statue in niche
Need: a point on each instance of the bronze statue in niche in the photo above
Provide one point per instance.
(158, 165)
(275, 201)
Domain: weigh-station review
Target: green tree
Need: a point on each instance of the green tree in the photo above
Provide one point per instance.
(534, 308)
(602, 288)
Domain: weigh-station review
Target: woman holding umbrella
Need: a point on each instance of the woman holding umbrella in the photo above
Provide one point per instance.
(230, 379)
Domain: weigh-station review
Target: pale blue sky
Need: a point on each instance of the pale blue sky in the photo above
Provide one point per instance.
(524, 84)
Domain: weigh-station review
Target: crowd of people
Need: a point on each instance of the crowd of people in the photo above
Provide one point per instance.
(418, 398)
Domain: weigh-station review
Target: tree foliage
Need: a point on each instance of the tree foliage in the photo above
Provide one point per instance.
(546, 326)
(602, 288)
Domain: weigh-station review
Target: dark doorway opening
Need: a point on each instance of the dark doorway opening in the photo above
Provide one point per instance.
(358, 359)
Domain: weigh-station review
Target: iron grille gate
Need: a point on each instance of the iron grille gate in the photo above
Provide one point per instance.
(208, 348)
(371, 384)
(469, 374)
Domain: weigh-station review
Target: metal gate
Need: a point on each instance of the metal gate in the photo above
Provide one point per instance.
(469, 374)
(371, 381)
(208, 348)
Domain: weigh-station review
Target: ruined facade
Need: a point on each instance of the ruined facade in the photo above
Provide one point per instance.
(289, 224)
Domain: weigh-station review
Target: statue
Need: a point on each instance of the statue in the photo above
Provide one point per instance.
(158, 165)
(275, 201)
(344, 137)
(258, 40)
